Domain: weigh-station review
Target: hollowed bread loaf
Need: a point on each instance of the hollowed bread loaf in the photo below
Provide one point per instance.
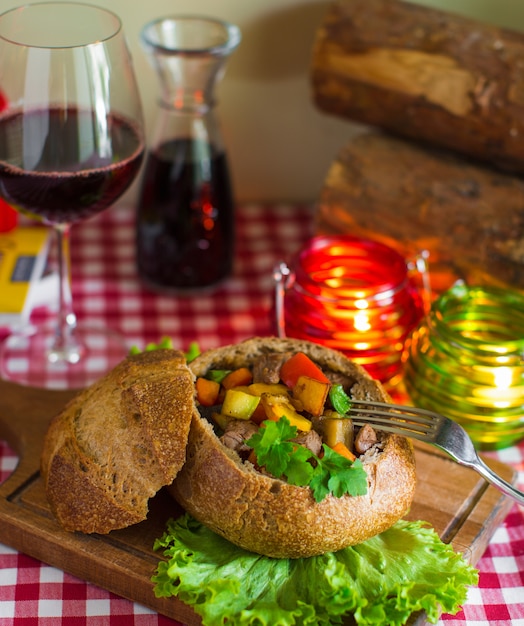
(269, 516)
(118, 442)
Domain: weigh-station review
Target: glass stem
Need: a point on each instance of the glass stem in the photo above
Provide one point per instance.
(65, 345)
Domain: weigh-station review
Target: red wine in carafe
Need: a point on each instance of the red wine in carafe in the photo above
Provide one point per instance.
(185, 217)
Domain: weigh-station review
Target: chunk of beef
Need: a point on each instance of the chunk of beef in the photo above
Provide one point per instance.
(365, 439)
(266, 368)
(310, 440)
(337, 378)
(236, 434)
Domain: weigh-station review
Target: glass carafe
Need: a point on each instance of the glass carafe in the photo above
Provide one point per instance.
(185, 228)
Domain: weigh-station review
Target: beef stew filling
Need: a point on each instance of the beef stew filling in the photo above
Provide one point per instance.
(285, 385)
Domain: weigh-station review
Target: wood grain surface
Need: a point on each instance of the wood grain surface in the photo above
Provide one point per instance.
(464, 510)
(424, 73)
(468, 217)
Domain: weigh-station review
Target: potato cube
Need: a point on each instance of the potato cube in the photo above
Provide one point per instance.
(239, 404)
(277, 406)
(312, 394)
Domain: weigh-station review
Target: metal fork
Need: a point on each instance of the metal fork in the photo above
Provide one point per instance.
(431, 428)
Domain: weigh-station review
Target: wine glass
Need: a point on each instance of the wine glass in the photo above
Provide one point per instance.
(71, 142)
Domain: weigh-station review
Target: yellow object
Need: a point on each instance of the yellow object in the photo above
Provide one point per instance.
(22, 260)
(221, 420)
(338, 430)
(311, 393)
(279, 406)
(257, 389)
(239, 404)
(466, 360)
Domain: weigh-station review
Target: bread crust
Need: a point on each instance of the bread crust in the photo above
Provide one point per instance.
(118, 442)
(268, 516)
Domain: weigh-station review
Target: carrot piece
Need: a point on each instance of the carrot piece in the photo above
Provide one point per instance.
(259, 414)
(343, 450)
(300, 365)
(207, 391)
(240, 376)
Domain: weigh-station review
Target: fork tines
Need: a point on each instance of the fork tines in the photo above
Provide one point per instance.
(393, 418)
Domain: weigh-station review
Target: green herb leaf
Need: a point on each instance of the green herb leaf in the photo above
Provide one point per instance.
(339, 476)
(192, 352)
(299, 470)
(217, 375)
(339, 399)
(331, 474)
(166, 342)
(273, 447)
(345, 477)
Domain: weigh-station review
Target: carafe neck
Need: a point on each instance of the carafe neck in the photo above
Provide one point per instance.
(189, 55)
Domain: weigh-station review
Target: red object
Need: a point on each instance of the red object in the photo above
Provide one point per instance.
(300, 365)
(207, 391)
(238, 377)
(354, 295)
(59, 196)
(8, 217)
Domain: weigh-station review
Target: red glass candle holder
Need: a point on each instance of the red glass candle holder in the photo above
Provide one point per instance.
(355, 295)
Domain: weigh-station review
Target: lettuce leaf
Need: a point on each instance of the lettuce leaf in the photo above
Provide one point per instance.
(381, 581)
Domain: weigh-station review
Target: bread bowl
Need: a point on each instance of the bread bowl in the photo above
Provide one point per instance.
(264, 514)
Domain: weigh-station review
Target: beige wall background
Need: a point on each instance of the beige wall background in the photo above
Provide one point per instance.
(280, 147)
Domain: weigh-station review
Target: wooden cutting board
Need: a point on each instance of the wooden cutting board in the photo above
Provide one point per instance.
(464, 510)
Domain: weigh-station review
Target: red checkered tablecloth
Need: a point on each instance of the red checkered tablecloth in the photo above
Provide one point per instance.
(106, 290)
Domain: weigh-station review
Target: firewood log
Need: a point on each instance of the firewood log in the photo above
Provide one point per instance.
(469, 218)
(425, 74)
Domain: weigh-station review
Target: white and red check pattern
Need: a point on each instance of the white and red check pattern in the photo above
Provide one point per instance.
(106, 288)
(107, 291)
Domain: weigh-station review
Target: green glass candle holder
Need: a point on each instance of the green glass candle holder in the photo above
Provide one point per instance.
(466, 360)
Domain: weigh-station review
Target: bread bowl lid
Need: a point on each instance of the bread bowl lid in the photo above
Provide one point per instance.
(118, 442)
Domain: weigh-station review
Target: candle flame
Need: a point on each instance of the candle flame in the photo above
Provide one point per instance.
(503, 377)
(362, 322)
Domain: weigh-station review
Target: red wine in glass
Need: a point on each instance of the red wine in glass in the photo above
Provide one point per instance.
(62, 184)
(71, 142)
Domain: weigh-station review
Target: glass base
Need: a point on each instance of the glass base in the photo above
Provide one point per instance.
(27, 357)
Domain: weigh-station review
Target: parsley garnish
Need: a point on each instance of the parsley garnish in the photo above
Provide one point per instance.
(337, 475)
(192, 352)
(282, 457)
(166, 342)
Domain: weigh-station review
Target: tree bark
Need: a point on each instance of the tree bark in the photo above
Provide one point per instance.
(469, 218)
(424, 74)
